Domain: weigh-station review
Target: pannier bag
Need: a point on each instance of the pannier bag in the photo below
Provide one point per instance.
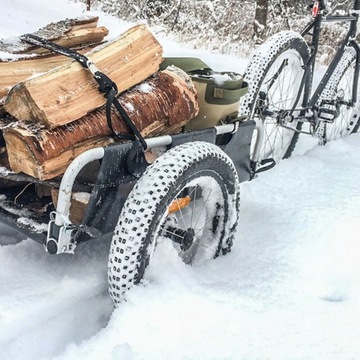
(219, 92)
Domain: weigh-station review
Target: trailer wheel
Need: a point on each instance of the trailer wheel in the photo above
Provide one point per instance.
(189, 196)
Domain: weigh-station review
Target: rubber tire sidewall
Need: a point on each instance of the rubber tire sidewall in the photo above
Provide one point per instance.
(134, 235)
(259, 65)
(329, 92)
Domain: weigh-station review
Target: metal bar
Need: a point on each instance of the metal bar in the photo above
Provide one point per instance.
(339, 53)
(68, 179)
(164, 140)
(67, 182)
(225, 129)
(260, 135)
(356, 72)
(339, 18)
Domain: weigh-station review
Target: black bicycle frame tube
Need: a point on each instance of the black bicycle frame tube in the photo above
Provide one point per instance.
(314, 26)
(339, 53)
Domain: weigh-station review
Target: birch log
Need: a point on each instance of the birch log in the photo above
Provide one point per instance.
(162, 104)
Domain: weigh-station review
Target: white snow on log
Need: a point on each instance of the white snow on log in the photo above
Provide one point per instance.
(82, 197)
(145, 88)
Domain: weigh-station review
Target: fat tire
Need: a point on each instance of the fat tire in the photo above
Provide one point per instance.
(348, 123)
(145, 210)
(259, 67)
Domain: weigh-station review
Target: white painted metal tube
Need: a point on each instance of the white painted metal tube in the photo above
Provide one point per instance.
(67, 183)
(259, 143)
(68, 179)
(225, 129)
(159, 141)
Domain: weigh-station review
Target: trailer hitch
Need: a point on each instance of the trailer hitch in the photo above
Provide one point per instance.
(60, 239)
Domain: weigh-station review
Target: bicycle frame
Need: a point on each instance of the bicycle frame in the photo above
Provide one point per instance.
(310, 100)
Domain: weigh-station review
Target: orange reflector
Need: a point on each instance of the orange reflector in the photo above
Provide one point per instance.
(179, 204)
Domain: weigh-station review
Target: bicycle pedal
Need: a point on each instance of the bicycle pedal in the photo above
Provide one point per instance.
(265, 164)
(327, 115)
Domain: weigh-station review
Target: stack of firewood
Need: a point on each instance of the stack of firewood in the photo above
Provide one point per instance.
(19, 60)
(53, 117)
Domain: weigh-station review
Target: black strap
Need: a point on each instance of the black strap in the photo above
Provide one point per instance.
(106, 85)
(270, 163)
(110, 90)
(49, 45)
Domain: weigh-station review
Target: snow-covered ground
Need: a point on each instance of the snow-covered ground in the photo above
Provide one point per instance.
(290, 289)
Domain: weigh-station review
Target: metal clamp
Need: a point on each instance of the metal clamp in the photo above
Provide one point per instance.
(60, 239)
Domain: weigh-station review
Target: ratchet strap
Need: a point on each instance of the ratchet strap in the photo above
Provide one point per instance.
(106, 85)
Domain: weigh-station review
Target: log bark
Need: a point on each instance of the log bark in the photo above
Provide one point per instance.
(69, 92)
(76, 38)
(52, 32)
(162, 104)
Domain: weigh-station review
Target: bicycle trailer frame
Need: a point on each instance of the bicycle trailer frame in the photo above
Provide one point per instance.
(121, 165)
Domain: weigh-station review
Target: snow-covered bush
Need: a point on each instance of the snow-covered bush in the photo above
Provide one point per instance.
(223, 25)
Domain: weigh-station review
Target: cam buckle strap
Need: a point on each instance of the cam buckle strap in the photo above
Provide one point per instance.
(110, 90)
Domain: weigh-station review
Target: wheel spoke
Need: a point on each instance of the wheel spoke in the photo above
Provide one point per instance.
(205, 203)
(145, 220)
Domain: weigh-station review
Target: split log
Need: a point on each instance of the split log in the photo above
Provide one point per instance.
(76, 38)
(69, 92)
(80, 33)
(52, 32)
(14, 72)
(162, 104)
(4, 170)
(78, 204)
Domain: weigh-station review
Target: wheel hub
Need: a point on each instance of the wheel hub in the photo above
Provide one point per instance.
(185, 238)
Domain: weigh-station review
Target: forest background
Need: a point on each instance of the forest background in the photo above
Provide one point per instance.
(226, 26)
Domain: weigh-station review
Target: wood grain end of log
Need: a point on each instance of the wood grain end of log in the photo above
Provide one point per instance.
(77, 206)
(24, 158)
(19, 155)
(20, 104)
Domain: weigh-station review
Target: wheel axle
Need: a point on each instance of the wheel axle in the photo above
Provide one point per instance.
(184, 238)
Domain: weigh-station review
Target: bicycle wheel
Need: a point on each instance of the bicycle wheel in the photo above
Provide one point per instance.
(339, 88)
(189, 196)
(274, 74)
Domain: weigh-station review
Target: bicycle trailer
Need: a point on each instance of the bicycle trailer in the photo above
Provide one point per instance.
(181, 187)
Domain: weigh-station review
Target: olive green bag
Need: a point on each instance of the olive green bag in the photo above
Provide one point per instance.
(219, 93)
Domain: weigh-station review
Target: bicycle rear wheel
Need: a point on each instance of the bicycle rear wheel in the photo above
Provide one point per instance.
(340, 88)
(274, 75)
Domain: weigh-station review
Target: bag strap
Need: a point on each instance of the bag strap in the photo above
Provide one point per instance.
(194, 66)
(106, 85)
(188, 64)
(229, 94)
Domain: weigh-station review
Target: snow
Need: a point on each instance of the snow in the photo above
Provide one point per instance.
(290, 289)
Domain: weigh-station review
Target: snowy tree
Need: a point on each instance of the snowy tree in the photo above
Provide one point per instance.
(222, 25)
(260, 20)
